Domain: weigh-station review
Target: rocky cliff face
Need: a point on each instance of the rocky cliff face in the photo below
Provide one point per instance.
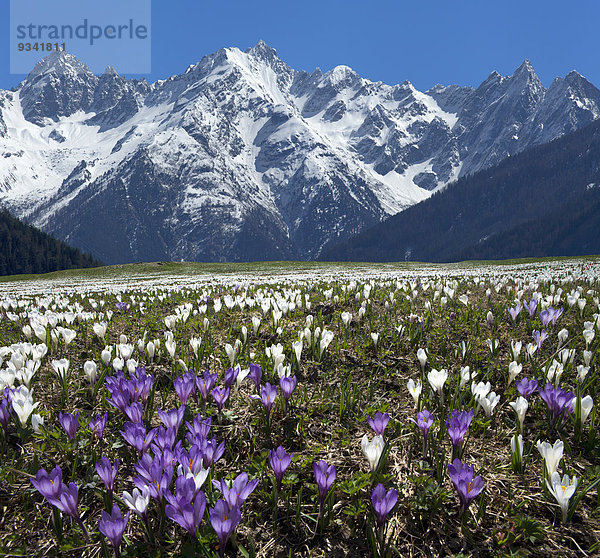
(241, 157)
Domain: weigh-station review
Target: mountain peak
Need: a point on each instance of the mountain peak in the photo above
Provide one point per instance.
(262, 51)
(525, 70)
(58, 62)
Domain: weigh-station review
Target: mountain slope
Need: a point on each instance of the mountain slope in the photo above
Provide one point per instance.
(25, 249)
(242, 157)
(542, 202)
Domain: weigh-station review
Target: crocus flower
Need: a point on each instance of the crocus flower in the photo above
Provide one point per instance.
(137, 501)
(220, 395)
(267, 395)
(23, 405)
(562, 490)
(372, 450)
(49, 485)
(198, 429)
(520, 407)
(107, 472)
(288, 385)
(531, 306)
(514, 369)
(467, 487)
(279, 461)
(557, 399)
(379, 422)
(187, 507)
(424, 422)
(206, 384)
(239, 491)
(551, 455)
(113, 527)
(224, 521)
(70, 423)
(422, 357)
(211, 452)
(586, 406)
(324, 477)
(526, 387)
(514, 312)
(172, 418)
(184, 386)
(414, 390)
(153, 475)
(457, 425)
(136, 436)
(98, 424)
(437, 379)
(255, 375)
(383, 502)
(231, 375)
(135, 412)
(539, 337)
(516, 449)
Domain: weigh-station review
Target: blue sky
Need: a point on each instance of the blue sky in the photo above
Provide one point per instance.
(424, 41)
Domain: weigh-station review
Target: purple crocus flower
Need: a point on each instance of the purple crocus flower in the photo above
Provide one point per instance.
(424, 422)
(153, 475)
(224, 521)
(211, 452)
(557, 399)
(206, 384)
(458, 424)
(379, 422)
(546, 316)
(172, 418)
(4, 413)
(69, 497)
(198, 429)
(279, 461)
(107, 472)
(267, 396)
(49, 485)
(70, 423)
(531, 306)
(136, 436)
(324, 477)
(539, 337)
(187, 507)
(98, 424)
(140, 384)
(185, 386)
(220, 395)
(231, 375)
(164, 439)
(555, 314)
(383, 502)
(514, 312)
(121, 306)
(135, 412)
(255, 375)
(467, 487)
(113, 527)
(288, 385)
(239, 491)
(526, 387)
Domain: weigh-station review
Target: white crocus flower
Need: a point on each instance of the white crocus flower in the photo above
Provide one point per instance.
(586, 407)
(466, 375)
(520, 407)
(481, 389)
(23, 405)
(297, 346)
(437, 379)
(138, 501)
(195, 343)
(106, 355)
(422, 356)
(61, 367)
(414, 390)
(346, 318)
(91, 371)
(489, 403)
(514, 369)
(100, 330)
(372, 450)
(36, 422)
(562, 490)
(551, 454)
(231, 353)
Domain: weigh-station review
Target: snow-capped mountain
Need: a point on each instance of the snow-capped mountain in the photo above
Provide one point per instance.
(242, 157)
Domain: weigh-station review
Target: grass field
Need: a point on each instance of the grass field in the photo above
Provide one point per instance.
(340, 343)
